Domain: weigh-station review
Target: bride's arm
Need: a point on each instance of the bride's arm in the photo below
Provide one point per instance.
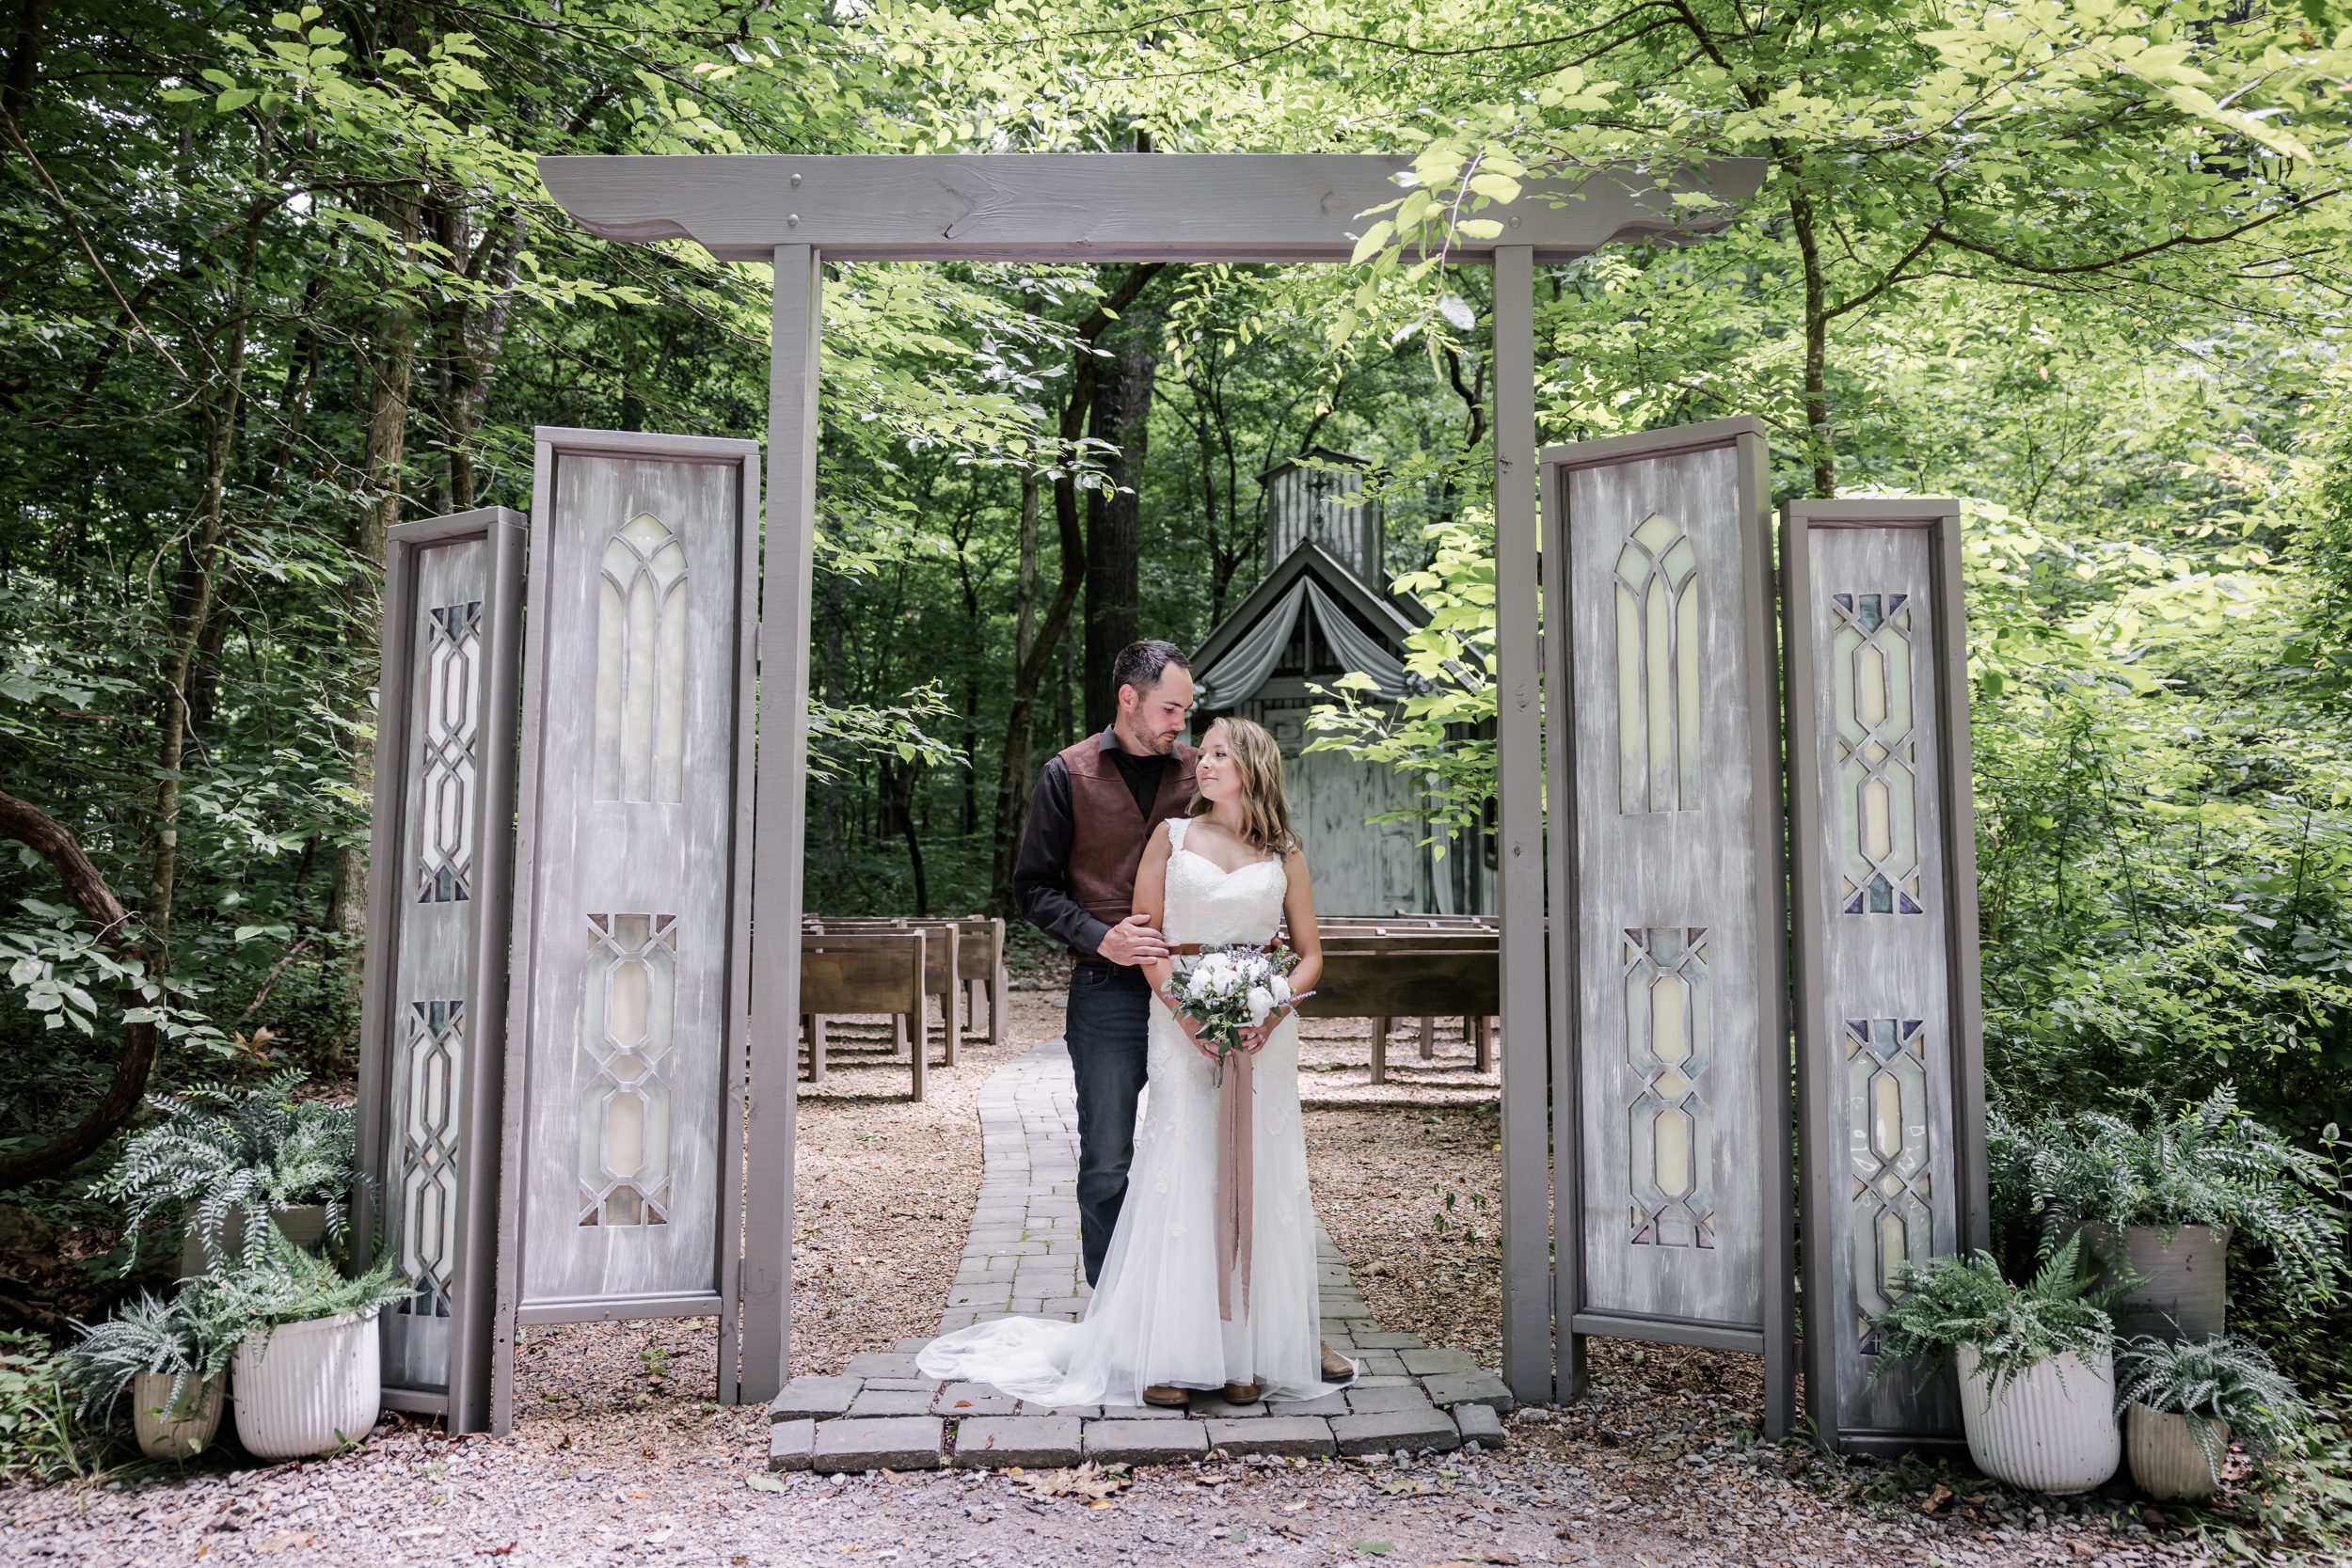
(1152, 902)
(1299, 913)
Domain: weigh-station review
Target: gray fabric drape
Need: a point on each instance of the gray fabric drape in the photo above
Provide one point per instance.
(1357, 649)
(1246, 665)
(1236, 677)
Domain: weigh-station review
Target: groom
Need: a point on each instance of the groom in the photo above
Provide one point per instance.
(1095, 808)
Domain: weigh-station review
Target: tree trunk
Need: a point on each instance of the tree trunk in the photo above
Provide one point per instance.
(1012, 801)
(1816, 429)
(388, 371)
(192, 604)
(1122, 402)
(43, 834)
(1012, 781)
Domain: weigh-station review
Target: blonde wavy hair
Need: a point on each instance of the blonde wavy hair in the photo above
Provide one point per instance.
(1266, 814)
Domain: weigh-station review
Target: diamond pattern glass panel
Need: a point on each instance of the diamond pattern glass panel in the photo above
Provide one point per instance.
(445, 807)
(640, 664)
(432, 1057)
(628, 1008)
(1878, 778)
(1658, 670)
(1887, 1155)
(1667, 1028)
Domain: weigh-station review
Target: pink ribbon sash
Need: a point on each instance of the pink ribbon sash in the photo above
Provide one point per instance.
(1236, 1177)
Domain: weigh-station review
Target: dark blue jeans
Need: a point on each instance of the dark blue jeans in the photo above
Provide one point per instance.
(1108, 1029)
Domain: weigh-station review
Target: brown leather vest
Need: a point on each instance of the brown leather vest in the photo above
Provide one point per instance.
(1107, 833)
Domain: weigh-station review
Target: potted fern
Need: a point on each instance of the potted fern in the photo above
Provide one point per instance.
(2181, 1404)
(307, 1373)
(174, 1365)
(2177, 1190)
(2036, 1363)
(236, 1165)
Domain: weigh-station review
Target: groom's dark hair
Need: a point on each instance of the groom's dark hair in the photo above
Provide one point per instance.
(1141, 665)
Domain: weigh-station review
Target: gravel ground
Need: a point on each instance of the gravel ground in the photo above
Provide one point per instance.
(619, 1454)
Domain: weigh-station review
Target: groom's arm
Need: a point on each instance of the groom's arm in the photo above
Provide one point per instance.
(1041, 873)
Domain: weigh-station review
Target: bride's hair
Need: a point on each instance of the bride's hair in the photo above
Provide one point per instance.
(1265, 814)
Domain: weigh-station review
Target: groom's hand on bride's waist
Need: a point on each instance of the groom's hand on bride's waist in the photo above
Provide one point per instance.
(1133, 942)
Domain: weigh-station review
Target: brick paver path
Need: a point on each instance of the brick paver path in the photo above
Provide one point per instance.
(1021, 1257)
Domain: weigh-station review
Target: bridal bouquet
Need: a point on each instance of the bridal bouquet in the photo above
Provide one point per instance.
(1235, 986)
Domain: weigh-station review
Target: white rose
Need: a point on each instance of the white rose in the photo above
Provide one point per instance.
(1199, 984)
(1260, 1003)
(1280, 987)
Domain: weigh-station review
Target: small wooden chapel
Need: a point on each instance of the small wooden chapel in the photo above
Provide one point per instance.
(1324, 609)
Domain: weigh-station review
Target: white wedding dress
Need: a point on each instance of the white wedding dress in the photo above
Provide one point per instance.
(1154, 1318)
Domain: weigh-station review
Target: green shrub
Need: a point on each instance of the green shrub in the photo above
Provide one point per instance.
(149, 1336)
(2208, 1164)
(36, 1421)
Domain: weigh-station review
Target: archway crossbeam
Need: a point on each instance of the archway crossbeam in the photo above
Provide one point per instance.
(1099, 206)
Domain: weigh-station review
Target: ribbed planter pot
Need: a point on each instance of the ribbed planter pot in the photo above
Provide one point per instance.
(2167, 1463)
(2051, 1427)
(310, 1387)
(2183, 1294)
(185, 1429)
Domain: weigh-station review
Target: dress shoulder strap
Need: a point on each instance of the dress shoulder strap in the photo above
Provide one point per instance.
(1176, 826)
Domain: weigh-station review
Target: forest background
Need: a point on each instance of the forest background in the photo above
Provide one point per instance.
(271, 281)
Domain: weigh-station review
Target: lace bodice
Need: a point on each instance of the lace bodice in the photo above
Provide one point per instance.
(1211, 906)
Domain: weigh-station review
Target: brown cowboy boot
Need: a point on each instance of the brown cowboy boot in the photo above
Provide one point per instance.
(1167, 1394)
(1336, 1367)
(1242, 1393)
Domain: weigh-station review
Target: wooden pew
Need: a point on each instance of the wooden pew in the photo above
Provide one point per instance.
(1379, 976)
(943, 974)
(1480, 929)
(862, 974)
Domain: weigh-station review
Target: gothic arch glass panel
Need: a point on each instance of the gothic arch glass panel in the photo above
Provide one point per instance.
(1657, 668)
(640, 664)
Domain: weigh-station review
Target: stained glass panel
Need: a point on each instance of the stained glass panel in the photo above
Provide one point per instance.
(1877, 753)
(627, 1009)
(1667, 1042)
(1887, 1158)
(432, 1057)
(640, 664)
(1658, 672)
(445, 802)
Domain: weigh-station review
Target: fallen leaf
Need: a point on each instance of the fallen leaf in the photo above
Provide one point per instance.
(1372, 1547)
(284, 1541)
(762, 1484)
(1935, 1499)
(1088, 1481)
(1293, 1508)
(507, 1550)
(1503, 1555)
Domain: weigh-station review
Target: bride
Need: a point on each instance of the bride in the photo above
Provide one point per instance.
(1227, 873)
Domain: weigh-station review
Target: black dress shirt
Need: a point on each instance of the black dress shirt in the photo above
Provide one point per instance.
(1041, 873)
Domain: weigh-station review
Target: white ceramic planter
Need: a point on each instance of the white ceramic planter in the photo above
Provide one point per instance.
(2051, 1427)
(187, 1427)
(2166, 1463)
(310, 1387)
